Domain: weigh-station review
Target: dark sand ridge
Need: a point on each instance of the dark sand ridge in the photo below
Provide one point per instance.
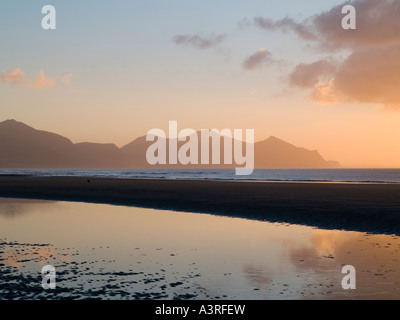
(371, 208)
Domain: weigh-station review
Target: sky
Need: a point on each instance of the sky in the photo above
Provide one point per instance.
(113, 70)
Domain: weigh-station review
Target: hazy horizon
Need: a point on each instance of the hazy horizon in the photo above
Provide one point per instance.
(110, 72)
(256, 141)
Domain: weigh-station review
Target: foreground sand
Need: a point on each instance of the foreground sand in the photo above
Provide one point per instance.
(359, 207)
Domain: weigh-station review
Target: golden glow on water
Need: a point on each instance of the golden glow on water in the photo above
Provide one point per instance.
(234, 257)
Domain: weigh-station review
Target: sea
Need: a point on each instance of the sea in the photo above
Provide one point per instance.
(391, 176)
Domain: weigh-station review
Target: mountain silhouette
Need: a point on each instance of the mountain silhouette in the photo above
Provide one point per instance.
(22, 146)
(276, 153)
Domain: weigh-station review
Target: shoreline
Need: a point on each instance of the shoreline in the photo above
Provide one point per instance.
(371, 208)
(205, 179)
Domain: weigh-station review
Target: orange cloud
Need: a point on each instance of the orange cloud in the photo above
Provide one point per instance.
(370, 75)
(17, 77)
(325, 93)
(42, 82)
(67, 80)
(369, 70)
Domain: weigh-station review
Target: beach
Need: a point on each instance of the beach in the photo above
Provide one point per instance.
(372, 208)
(102, 251)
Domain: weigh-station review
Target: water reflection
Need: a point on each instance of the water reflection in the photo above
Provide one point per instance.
(13, 207)
(375, 257)
(257, 275)
(132, 253)
(18, 254)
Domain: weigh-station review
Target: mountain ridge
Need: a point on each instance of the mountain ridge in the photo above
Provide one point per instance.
(22, 146)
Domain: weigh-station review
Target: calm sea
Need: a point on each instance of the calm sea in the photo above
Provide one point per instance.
(299, 175)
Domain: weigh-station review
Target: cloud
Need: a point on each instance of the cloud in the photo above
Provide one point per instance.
(199, 41)
(326, 93)
(308, 75)
(67, 79)
(286, 25)
(378, 23)
(17, 77)
(42, 82)
(256, 60)
(369, 68)
(370, 75)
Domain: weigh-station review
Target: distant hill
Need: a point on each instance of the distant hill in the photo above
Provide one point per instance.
(276, 153)
(22, 146)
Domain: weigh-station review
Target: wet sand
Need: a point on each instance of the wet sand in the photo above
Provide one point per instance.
(136, 253)
(82, 276)
(373, 208)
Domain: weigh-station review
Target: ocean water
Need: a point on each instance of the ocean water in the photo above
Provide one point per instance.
(295, 175)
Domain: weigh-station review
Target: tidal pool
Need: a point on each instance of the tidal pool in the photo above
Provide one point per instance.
(114, 252)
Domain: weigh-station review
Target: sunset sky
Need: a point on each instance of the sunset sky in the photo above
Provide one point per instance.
(112, 70)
